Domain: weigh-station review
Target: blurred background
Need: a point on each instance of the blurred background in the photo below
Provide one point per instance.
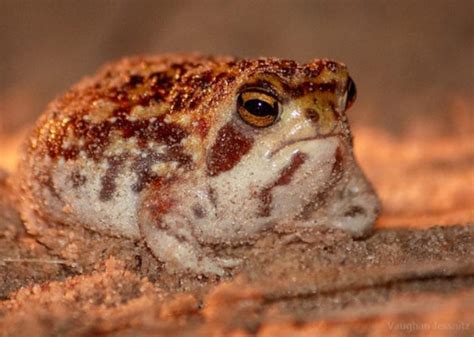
(412, 60)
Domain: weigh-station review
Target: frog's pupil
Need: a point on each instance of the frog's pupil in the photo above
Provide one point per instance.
(260, 108)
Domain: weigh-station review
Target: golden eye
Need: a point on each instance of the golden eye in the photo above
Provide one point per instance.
(257, 108)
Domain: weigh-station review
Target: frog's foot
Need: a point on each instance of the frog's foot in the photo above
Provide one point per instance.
(170, 236)
(228, 262)
(354, 208)
(182, 253)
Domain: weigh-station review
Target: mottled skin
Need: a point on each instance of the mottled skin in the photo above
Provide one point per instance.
(152, 148)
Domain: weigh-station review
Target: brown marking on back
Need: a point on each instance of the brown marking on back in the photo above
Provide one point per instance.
(108, 180)
(135, 80)
(142, 165)
(229, 147)
(313, 69)
(284, 178)
(332, 66)
(180, 84)
(46, 179)
(70, 152)
(77, 179)
(212, 196)
(96, 136)
(308, 87)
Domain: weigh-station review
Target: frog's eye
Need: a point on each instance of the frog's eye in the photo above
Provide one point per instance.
(257, 108)
(351, 93)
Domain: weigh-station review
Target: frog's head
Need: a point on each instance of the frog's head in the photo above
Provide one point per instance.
(280, 150)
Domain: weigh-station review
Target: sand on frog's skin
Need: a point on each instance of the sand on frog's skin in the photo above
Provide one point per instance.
(409, 277)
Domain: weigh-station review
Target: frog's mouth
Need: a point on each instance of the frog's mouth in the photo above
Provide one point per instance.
(304, 139)
(319, 169)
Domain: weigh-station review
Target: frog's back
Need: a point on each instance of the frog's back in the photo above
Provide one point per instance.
(137, 122)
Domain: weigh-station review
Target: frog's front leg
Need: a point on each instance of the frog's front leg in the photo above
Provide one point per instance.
(169, 217)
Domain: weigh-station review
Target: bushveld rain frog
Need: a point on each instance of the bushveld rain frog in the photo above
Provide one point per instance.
(190, 152)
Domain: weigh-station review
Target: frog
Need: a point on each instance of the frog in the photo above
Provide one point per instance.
(190, 153)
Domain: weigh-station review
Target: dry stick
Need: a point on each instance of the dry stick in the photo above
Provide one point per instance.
(29, 260)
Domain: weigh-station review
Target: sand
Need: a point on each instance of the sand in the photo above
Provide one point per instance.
(412, 276)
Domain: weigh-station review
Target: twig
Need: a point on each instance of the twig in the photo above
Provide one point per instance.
(19, 260)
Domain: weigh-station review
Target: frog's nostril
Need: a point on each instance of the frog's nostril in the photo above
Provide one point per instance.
(312, 115)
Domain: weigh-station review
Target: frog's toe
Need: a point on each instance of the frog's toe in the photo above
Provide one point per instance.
(229, 262)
